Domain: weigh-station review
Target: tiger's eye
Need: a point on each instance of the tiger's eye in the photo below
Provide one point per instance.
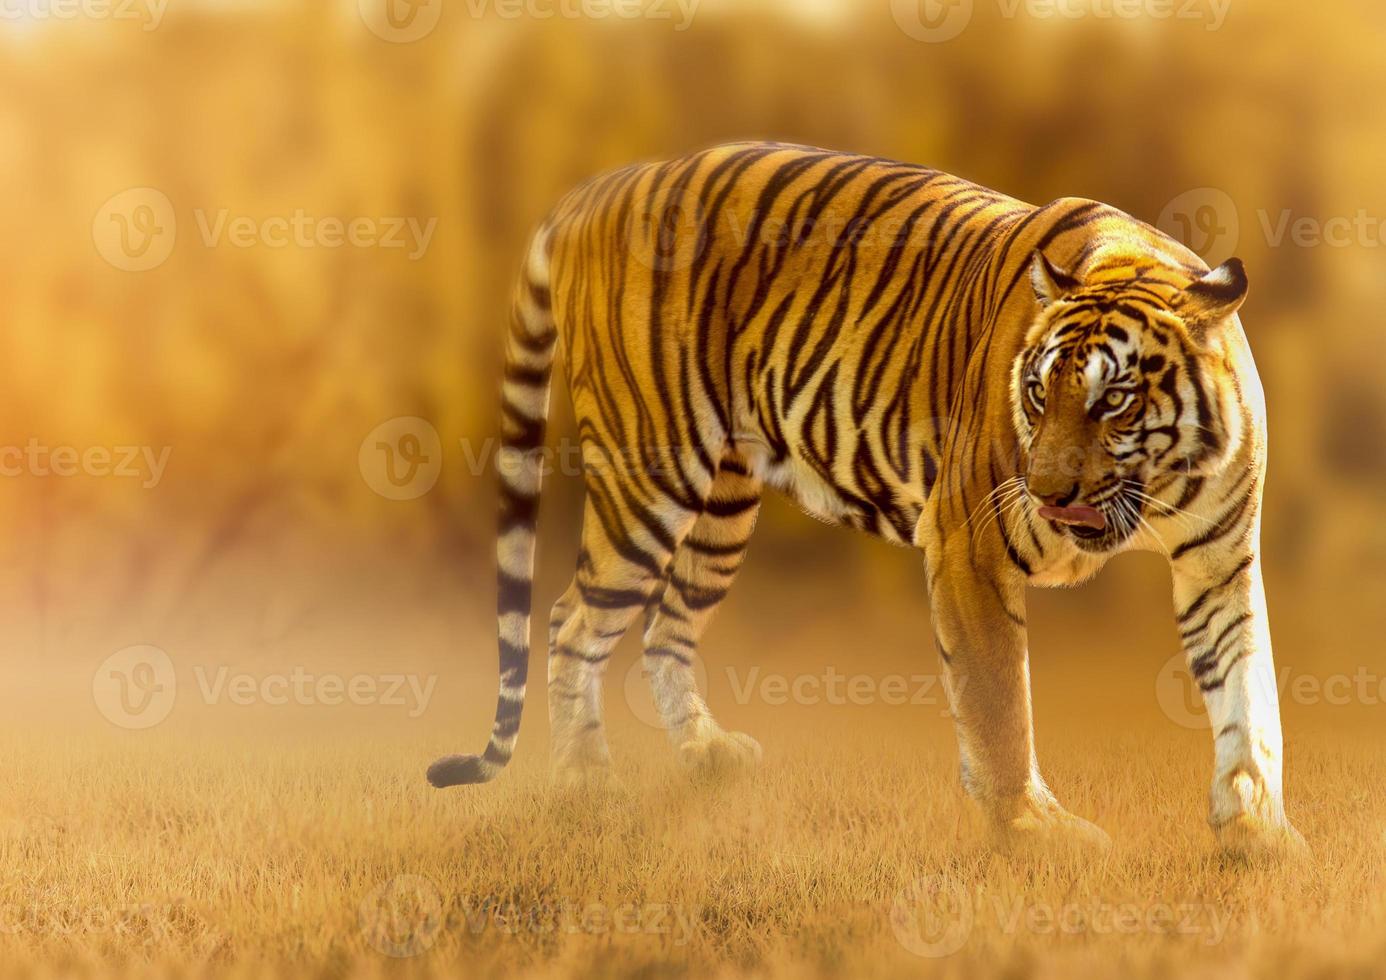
(1115, 399)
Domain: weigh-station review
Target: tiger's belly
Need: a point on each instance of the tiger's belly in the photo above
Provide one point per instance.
(1056, 563)
(891, 515)
(804, 485)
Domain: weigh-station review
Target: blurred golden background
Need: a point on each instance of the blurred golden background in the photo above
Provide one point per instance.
(254, 276)
(240, 237)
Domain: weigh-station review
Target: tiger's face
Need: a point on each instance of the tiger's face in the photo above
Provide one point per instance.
(1118, 390)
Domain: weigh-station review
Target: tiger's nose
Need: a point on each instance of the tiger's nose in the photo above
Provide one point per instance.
(1059, 499)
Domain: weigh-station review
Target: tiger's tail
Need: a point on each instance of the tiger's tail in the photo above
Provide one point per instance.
(529, 357)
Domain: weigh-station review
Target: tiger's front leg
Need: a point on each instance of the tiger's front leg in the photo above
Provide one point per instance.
(1220, 602)
(979, 621)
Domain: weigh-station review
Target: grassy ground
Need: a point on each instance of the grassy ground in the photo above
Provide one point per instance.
(849, 855)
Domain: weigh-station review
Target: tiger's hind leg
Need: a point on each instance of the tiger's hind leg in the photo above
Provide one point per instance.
(622, 561)
(700, 577)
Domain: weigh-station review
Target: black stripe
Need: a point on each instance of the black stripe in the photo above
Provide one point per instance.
(1013, 616)
(714, 550)
(687, 661)
(515, 594)
(1192, 631)
(540, 293)
(497, 754)
(1011, 553)
(538, 344)
(1218, 531)
(731, 508)
(517, 509)
(667, 610)
(530, 434)
(1191, 491)
(563, 650)
(1209, 660)
(534, 377)
(600, 598)
(696, 597)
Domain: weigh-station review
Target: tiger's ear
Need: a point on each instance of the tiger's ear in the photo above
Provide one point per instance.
(1051, 284)
(1214, 298)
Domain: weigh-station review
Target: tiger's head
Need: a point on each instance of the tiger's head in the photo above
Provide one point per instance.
(1121, 386)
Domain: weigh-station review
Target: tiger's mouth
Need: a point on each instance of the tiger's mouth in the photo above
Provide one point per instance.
(1080, 519)
(1093, 529)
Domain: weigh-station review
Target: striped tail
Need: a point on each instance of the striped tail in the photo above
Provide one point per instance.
(529, 359)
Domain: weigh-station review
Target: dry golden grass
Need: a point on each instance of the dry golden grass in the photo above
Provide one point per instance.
(256, 855)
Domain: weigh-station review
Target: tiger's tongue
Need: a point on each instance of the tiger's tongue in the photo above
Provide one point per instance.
(1082, 516)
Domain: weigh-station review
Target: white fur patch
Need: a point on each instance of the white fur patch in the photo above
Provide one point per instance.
(538, 266)
(515, 552)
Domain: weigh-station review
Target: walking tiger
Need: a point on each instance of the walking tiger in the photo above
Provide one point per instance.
(1018, 392)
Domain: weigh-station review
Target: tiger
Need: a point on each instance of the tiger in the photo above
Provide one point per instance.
(1018, 392)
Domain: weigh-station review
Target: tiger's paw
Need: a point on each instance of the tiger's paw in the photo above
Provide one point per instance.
(584, 777)
(1249, 820)
(1052, 832)
(720, 754)
(1249, 838)
(582, 764)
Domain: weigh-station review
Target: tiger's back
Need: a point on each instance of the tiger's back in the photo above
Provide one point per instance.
(817, 310)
